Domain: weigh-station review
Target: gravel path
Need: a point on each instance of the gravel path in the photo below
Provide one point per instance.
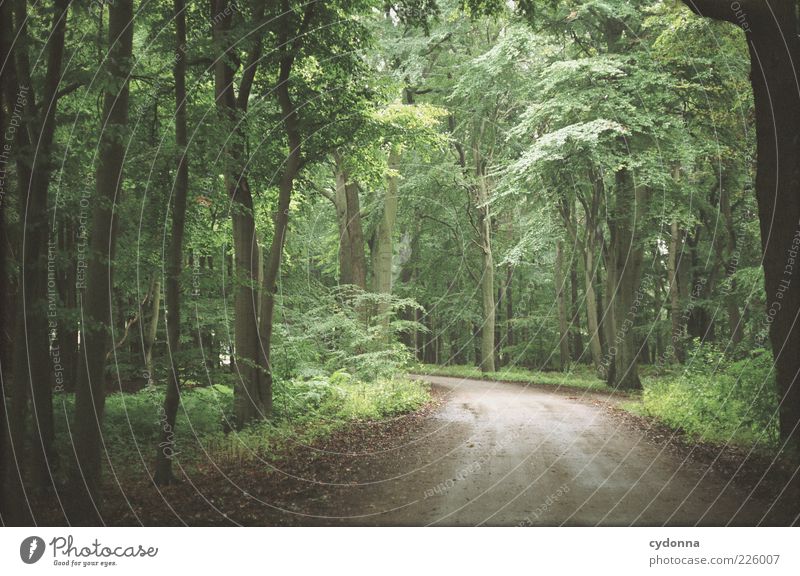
(506, 454)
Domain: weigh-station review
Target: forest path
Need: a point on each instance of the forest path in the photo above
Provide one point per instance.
(506, 454)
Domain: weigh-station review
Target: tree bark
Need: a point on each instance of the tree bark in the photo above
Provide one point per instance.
(624, 297)
(166, 448)
(352, 260)
(384, 236)
(249, 390)
(561, 299)
(729, 255)
(152, 328)
(90, 392)
(676, 315)
(291, 125)
(575, 323)
(487, 277)
(771, 31)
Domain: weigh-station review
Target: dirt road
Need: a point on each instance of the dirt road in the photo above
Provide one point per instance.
(506, 454)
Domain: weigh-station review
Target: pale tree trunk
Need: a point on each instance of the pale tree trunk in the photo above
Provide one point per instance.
(384, 236)
(575, 322)
(152, 328)
(487, 276)
(90, 391)
(561, 298)
(340, 203)
(353, 262)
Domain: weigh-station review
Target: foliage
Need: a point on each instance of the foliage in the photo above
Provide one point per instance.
(306, 409)
(714, 399)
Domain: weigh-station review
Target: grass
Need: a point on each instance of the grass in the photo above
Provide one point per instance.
(304, 410)
(578, 377)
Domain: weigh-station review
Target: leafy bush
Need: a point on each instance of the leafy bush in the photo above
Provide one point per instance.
(305, 409)
(717, 400)
(342, 328)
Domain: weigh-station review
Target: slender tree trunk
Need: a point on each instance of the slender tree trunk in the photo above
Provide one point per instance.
(487, 276)
(384, 237)
(340, 202)
(575, 322)
(152, 328)
(90, 392)
(731, 259)
(291, 125)
(595, 348)
(166, 448)
(510, 306)
(249, 389)
(561, 298)
(676, 313)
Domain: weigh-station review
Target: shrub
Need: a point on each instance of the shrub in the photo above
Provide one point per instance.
(718, 400)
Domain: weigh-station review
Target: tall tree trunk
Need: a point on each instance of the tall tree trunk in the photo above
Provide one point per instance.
(90, 392)
(487, 276)
(561, 299)
(249, 389)
(627, 247)
(291, 168)
(37, 301)
(5, 282)
(676, 314)
(166, 448)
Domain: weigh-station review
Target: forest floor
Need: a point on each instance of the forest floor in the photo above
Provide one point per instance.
(483, 453)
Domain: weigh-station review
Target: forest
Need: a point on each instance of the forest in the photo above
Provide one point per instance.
(245, 243)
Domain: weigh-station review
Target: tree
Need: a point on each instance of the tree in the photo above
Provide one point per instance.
(166, 449)
(771, 32)
(90, 389)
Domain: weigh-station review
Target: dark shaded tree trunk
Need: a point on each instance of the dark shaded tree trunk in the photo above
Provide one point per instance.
(290, 41)
(37, 302)
(90, 391)
(624, 272)
(5, 249)
(166, 448)
(249, 387)
(677, 333)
